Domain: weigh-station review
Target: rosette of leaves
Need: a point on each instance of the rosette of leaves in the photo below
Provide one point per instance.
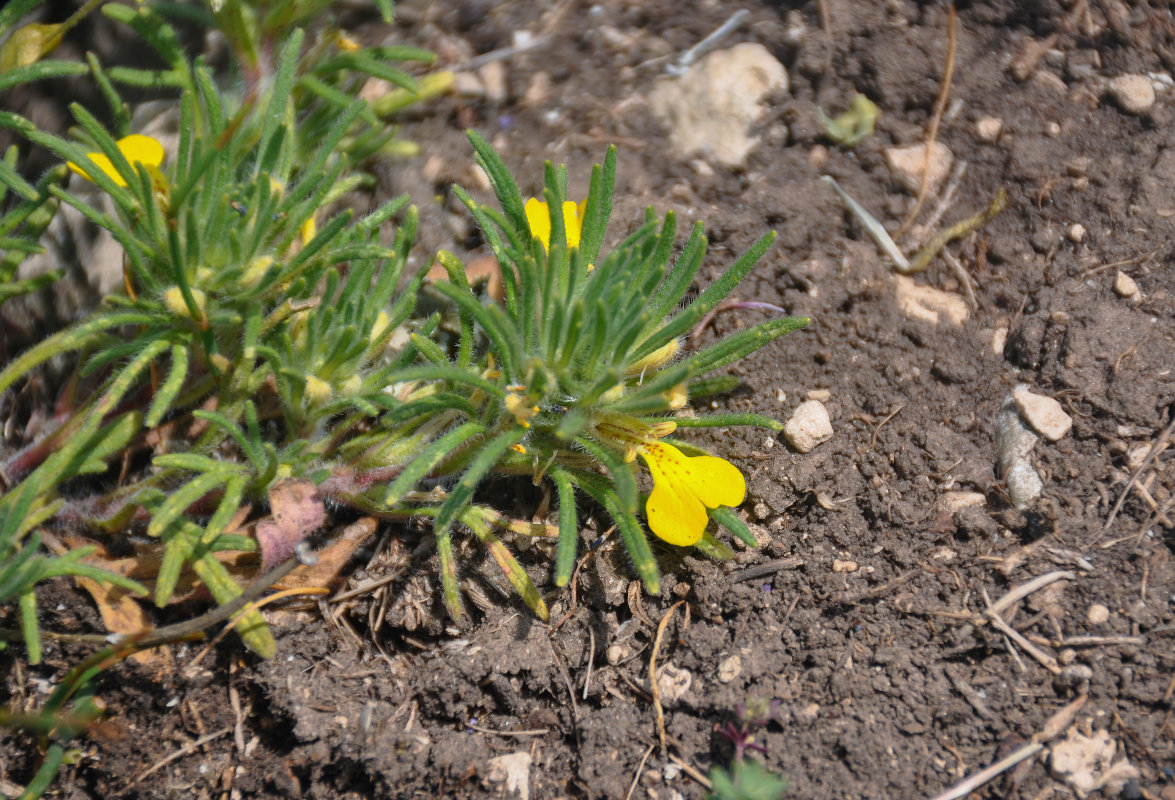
(267, 340)
(582, 363)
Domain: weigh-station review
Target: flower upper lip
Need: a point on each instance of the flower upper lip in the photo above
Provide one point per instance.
(538, 216)
(136, 148)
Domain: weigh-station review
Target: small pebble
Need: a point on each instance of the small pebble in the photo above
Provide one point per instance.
(1097, 614)
(1044, 414)
(1014, 442)
(1075, 233)
(1076, 677)
(729, 669)
(1066, 656)
(1124, 286)
(615, 654)
(1052, 130)
(673, 682)
(988, 129)
(1134, 94)
(808, 426)
(844, 566)
(999, 338)
(823, 395)
(907, 164)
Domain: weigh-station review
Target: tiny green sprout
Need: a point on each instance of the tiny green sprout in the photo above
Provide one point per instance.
(851, 127)
(746, 780)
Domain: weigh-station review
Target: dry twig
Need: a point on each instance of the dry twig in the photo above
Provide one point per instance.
(940, 104)
(1057, 723)
(1151, 455)
(654, 688)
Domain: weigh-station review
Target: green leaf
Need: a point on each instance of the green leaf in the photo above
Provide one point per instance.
(727, 518)
(460, 495)
(430, 457)
(708, 299)
(509, 564)
(170, 387)
(568, 527)
(40, 71)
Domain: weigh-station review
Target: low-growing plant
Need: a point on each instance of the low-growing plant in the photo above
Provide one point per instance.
(747, 779)
(263, 337)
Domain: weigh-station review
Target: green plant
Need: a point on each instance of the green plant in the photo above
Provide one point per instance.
(747, 779)
(265, 329)
(583, 367)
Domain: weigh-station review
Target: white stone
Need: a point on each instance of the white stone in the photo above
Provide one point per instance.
(1075, 233)
(823, 395)
(839, 565)
(673, 682)
(1134, 94)
(512, 770)
(1013, 445)
(999, 339)
(957, 501)
(988, 129)
(710, 109)
(1043, 414)
(1097, 614)
(466, 84)
(1125, 286)
(493, 76)
(808, 426)
(1087, 763)
(907, 164)
(927, 303)
(729, 669)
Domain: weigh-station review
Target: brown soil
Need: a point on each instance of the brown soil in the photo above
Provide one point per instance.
(887, 688)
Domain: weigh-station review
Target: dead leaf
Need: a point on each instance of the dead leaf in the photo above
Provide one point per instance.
(298, 511)
(332, 558)
(121, 613)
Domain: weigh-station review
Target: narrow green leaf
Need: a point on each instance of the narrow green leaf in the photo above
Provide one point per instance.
(40, 71)
(568, 527)
(509, 564)
(727, 518)
(430, 457)
(171, 386)
(708, 299)
(177, 503)
(708, 545)
(29, 626)
(725, 420)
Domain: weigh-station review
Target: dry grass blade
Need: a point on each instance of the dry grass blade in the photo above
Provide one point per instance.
(1151, 455)
(653, 686)
(940, 104)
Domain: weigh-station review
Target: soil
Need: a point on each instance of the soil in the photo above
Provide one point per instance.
(861, 611)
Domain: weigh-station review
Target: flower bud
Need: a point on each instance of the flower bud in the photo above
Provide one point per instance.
(654, 360)
(318, 391)
(173, 298)
(256, 271)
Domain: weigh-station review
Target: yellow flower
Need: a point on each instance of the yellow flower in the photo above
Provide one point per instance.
(539, 218)
(684, 487)
(136, 148)
(521, 408)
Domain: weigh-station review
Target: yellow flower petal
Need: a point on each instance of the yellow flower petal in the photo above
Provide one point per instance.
(538, 217)
(675, 517)
(683, 487)
(136, 148)
(571, 224)
(539, 220)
